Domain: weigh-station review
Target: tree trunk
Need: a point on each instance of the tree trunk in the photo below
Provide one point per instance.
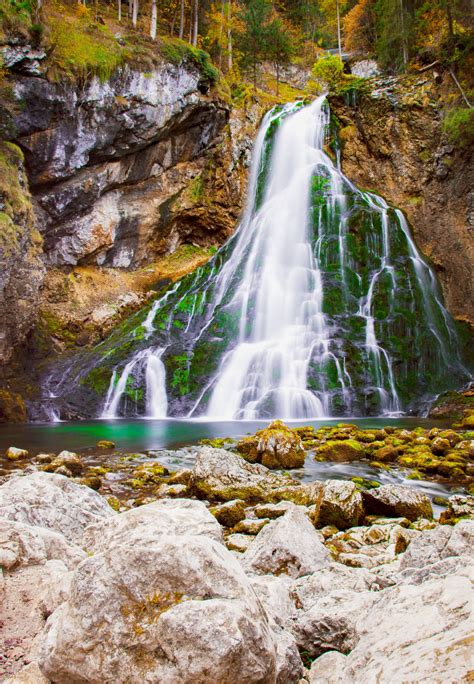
(449, 17)
(404, 44)
(278, 78)
(135, 13)
(338, 30)
(154, 18)
(229, 36)
(119, 13)
(181, 21)
(196, 23)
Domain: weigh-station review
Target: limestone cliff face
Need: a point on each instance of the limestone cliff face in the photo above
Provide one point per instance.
(392, 143)
(118, 174)
(105, 163)
(21, 267)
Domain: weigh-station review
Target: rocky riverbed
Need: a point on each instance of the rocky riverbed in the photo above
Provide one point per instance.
(228, 570)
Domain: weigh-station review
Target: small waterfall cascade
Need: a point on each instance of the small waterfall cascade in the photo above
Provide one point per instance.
(128, 385)
(319, 305)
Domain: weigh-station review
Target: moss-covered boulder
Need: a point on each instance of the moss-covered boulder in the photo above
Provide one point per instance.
(440, 445)
(345, 450)
(277, 446)
(386, 454)
(12, 408)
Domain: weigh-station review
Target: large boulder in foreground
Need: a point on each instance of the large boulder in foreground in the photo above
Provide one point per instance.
(287, 546)
(52, 501)
(411, 633)
(341, 505)
(181, 610)
(397, 501)
(144, 525)
(277, 446)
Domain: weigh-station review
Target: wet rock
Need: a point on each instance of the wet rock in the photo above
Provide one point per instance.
(105, 444)
(52, 501)
(229, 513)
(93, 481)
(459, 506)
(23, 544)
(346, 450)
(386, 454)
(341, 505)
(14, 454)
(439, 445)
(251, 526)
(143, 525)
(398, 501)
(45, 458)
(66, 459)
(287, 546)
(12, 408)
(219, 474)
(278, 446)
(180, 609)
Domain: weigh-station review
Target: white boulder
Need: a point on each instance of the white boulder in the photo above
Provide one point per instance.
(52, 501)
(181, 610)
(288, 545)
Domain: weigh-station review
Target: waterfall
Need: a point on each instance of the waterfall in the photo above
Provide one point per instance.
(319, 305)
(155, 384)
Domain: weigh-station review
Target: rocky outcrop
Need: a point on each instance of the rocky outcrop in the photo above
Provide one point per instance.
(121, 172)
(104, 162)
(21, 268)
(392, 143)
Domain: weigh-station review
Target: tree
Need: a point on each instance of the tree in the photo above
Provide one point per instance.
(154, 19)
(280, 46)
(253, 39)
(329, 70)
(332, 11)
(181, 21)
(196, 23)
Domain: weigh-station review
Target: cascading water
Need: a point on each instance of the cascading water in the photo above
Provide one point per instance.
(319, 305)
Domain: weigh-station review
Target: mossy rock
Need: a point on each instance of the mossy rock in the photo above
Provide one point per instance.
(12, 408)
(277, 446)
(347, 450)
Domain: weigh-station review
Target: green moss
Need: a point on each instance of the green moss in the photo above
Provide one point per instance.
(458, 125)
(98, 380)
(178, 51)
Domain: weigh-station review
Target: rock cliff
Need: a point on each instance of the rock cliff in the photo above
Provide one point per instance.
(121, 172)
(393, 144)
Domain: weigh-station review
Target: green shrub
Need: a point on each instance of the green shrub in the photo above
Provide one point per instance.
(330, 71)
(177, 51)
(458, 125)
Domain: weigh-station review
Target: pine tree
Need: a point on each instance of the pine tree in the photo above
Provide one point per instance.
(280, 47)
(253, 39)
